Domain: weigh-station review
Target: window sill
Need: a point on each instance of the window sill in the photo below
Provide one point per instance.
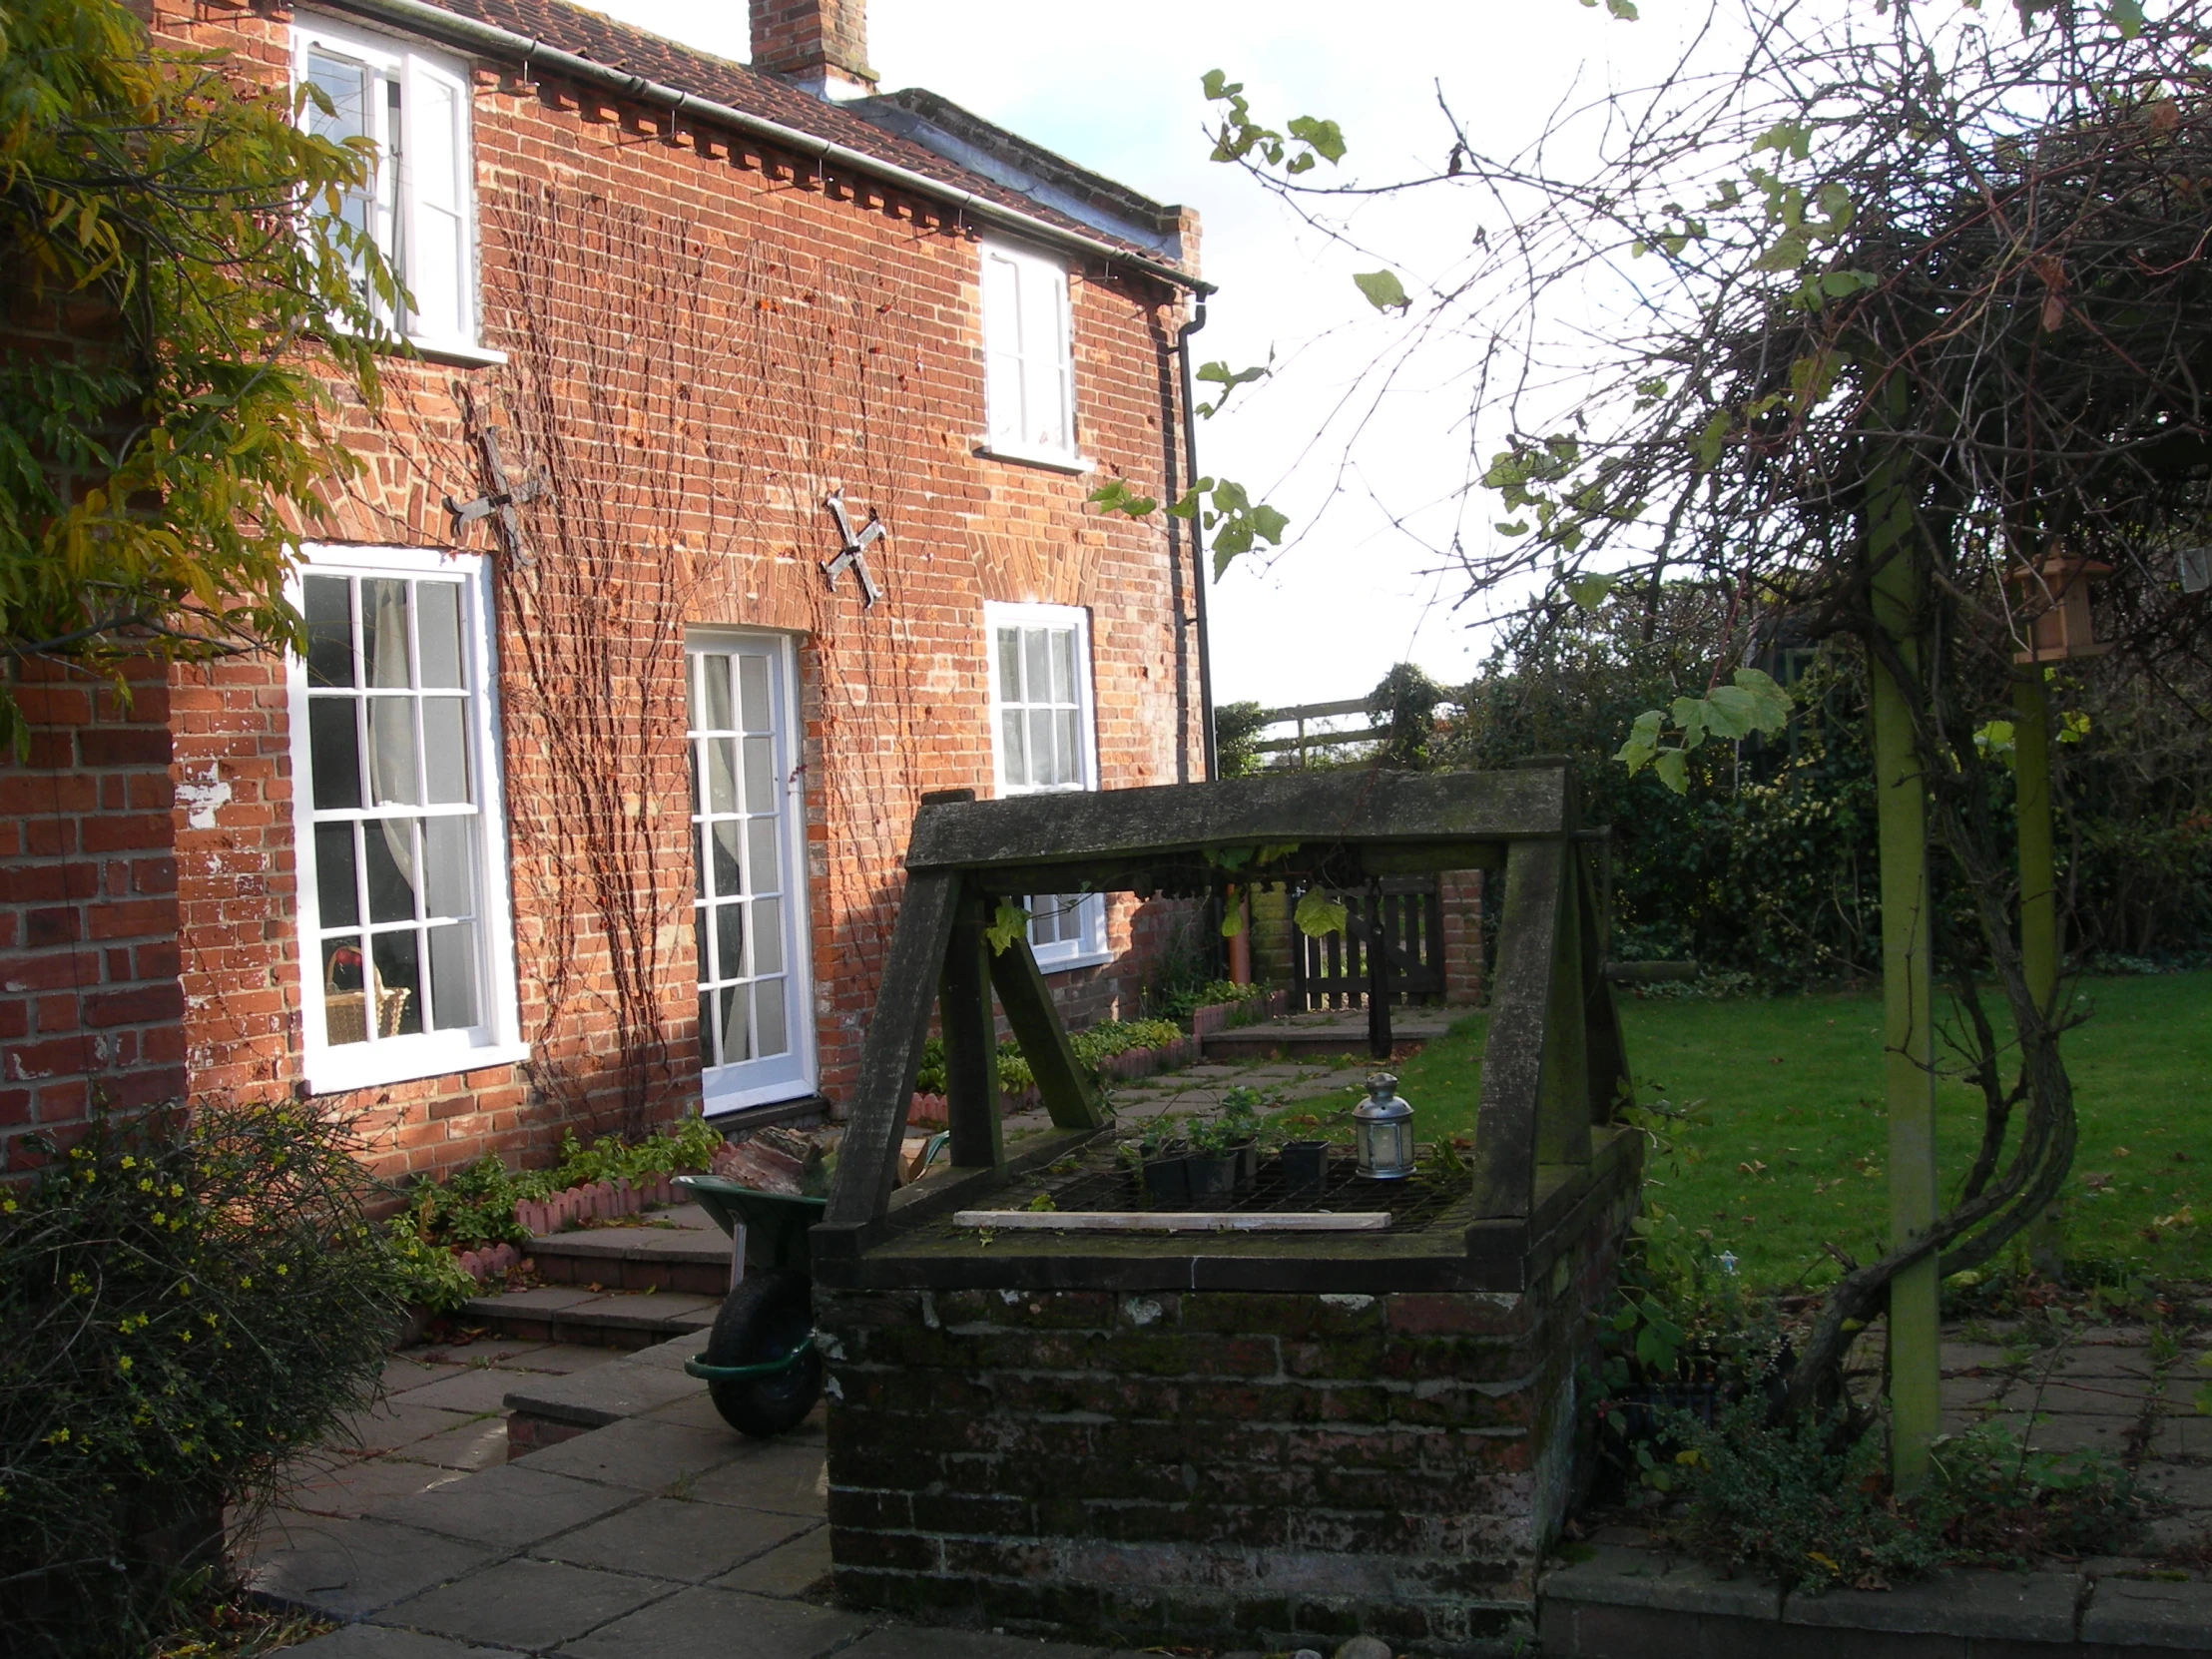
(1070, 964)
(465, 356)
(1052, 461)
(331, 1073)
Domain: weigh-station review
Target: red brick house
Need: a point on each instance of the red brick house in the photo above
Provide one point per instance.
(587, 805)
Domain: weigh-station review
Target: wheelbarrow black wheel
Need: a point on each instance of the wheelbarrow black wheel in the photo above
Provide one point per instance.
(766, 1318)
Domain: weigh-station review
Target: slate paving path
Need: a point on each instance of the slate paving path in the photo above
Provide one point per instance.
(665, 1534)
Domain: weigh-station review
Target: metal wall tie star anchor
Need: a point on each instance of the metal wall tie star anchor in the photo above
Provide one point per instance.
(854, 556)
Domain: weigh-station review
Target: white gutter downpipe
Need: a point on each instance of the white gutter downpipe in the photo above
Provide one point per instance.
(489, 38)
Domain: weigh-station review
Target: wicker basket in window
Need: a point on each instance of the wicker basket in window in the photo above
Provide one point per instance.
(345, 1013)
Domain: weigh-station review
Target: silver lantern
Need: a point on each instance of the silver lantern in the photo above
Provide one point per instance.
(1384, 1125)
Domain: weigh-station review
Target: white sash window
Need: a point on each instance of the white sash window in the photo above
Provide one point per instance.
(418, 206)
(1028, 352)
(1045, 741)
(407, 956)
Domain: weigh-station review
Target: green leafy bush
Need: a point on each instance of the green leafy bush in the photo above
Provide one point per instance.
(1184, 1001)
(476, 1205)
(1114, 1036)
(191, 1303)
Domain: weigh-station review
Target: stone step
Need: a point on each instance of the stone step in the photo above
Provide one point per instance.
(677, 1250)
(1262, 1042)
(578, 1314)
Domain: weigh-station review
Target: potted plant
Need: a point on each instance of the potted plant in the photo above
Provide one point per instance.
(1213, 1163)
(1167, 1165)
(1305, 1166)
(1240, 1123)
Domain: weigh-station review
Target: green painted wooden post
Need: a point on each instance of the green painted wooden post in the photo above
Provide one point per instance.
(2039, 899)
(1916, 1406)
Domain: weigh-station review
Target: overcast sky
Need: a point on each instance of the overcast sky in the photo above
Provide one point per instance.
(1118, 92)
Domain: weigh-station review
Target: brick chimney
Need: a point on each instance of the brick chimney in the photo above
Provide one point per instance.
(821, 45)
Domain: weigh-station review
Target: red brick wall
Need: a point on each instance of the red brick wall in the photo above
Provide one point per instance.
(714, 337)
(1461, 893)
(90, 1003)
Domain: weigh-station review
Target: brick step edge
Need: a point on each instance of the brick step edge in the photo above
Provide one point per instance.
(930, 1109)
(603, 1329)
(539, 1217)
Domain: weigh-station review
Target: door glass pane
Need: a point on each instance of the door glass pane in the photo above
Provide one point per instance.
(714, 673)
(390, 844)
(445, 749)
(737, 1010)
(446, 850)
(454, 977)
(769, 1033)
(385, 630)
(752, 692)
(759, 775)
(330, 610)
(337, 903)
(729, 941)
(767, 936)
(760, 835)
(438, 619)
(345, 1016)
(399, 988)
(333, 753)
(391, 750)
(722, 774)
(725, 838)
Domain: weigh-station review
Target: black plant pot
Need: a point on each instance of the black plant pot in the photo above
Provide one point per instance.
(1213, 1179)
(1305, 1166)
(1167, 1177)
(1247, 1154)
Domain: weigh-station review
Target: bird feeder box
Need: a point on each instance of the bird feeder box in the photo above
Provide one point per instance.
(2052, 599)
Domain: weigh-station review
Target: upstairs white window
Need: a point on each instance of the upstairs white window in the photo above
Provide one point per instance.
(1045, 741)
(407, 955)
(1028, 349)
(418, 205)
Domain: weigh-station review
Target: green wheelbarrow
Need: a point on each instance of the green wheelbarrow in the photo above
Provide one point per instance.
(761, 1366)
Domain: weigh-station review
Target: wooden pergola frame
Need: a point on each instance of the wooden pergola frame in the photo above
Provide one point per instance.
(1553, 1065)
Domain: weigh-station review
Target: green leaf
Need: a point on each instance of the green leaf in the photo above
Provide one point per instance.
(2125, 16)
(1643, 740)
(1115, 496)
(1771, 703)
(1788, 253)
(2073, 726)
(1382, 289)
(1010, 923)
(1588, 592)
(1217, 85)
(1232, 920)
(1672, 766)
(1325, 138)
(1690, 714)
(1319, 915)
(1625, 10)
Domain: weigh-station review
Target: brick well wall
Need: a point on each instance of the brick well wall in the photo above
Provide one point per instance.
(1218, 1469)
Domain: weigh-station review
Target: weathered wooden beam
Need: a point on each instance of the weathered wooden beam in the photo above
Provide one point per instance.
(1177, 1221)
(891, 1054)
(1520, 1022)
(1061, 1080)
(1610, 1085)
(970, 1042)
(1126, 826)
(1563, 1112)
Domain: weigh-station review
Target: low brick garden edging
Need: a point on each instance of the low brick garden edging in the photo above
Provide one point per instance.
(1130, 1063)
(601, 1200)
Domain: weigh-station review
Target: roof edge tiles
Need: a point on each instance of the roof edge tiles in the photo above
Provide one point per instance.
(571, 42)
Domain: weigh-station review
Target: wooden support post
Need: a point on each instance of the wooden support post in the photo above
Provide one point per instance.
(1522, 1014)
(1023, 992)
(1606, 1080)
(1563, 1095)
(2038, 901)
(1379, 1040)
(970, 1041)
(1916, 1406)
(868, 1165)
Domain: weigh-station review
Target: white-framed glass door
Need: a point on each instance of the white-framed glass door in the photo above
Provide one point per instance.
(749, 888)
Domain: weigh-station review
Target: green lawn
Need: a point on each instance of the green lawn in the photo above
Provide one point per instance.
(1793, 1148)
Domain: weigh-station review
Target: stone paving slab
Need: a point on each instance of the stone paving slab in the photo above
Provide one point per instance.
(562, 1358)
(348, 1570)
(2019, 1607)
(2186, 1485)
(2149, 1613)
(789, 1569)
(525, 1603)
(374, 1641)
(785, 1476)
(639, 1454)
(2112, 1397)
(476, 1444)
(701, 1623)
(668, 1539)
(1620, 1577)
(510, 1505)
(393, 1425)
(471, 1389)
(356, 1487)
(921, 1643)
(594, 1399)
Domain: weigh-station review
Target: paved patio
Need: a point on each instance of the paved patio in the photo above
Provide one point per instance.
(664, 1534)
